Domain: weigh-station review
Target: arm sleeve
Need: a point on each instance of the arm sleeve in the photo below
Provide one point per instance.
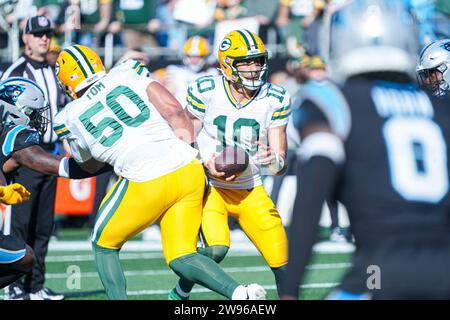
(195, 101)
(79, 149)
(18, 138)
(316, 179)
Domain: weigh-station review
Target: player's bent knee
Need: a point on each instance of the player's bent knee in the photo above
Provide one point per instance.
(27, 262)
(217, 253)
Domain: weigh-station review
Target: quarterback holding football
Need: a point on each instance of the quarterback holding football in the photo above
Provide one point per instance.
(240, 109)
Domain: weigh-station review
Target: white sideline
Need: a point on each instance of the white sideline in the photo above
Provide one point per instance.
(200, 290)
(244, 246)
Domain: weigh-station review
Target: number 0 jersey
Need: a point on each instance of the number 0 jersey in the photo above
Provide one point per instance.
(395, 179)
(228, 123)
(114, 122)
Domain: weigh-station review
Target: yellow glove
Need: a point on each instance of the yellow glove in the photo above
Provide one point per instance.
(13, 194)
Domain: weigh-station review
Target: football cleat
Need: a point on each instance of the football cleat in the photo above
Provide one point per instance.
(249, 292)
(46, 294)
(174, 295)
(255, 292)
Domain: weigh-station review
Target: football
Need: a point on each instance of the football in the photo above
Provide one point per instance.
(232, 161)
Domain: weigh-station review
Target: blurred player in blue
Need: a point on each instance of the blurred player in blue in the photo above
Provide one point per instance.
(381, 148)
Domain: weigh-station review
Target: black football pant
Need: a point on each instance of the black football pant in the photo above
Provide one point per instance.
(408, 268)
(33, 221)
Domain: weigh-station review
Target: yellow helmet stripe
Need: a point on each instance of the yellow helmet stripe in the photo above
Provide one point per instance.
(85, 58)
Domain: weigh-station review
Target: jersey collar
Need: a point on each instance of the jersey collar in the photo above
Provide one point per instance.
(233, 101)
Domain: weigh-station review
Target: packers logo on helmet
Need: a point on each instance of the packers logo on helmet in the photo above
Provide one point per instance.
(78, 67)
(195, 52)
(243, 45)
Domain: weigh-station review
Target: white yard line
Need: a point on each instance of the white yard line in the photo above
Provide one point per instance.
(201, 290)
(167, 272)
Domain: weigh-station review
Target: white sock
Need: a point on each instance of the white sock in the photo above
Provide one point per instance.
(240, 293)
(181, 292)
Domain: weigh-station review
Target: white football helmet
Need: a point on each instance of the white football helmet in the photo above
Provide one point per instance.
(22, 102)
(370, 36)
(433, 70)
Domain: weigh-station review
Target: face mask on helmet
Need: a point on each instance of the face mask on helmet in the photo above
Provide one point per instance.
(433, 70)
(252, 72)
(433, 80)
(23, 103)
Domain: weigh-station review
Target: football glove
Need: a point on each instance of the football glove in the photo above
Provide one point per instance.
(13, 194)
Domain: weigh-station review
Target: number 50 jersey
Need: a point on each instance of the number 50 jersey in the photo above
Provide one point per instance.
(229, 123)
(114, 122)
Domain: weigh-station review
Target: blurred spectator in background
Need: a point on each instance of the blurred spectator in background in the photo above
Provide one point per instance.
(138, 23)
(230, 10)
(50, 8)
(423, 11)
(266, 12)
(197, 15)
(172, 33)
(88, 21)
(95, 17)
(53, 52)
(441, 20)
(294, 18)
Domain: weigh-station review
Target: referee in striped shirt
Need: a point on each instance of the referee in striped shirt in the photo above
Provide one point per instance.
(33, 221)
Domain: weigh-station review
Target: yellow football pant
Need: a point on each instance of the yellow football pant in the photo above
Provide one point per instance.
(257, 216)
(175, 199)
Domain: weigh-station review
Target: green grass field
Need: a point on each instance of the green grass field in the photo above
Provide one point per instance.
(149, 278)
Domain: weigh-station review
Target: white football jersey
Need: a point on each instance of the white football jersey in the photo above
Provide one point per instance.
(114, 122)
(227, 123)
(180, 77)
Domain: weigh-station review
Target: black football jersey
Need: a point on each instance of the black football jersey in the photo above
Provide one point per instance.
(14, 138)
(395, 178)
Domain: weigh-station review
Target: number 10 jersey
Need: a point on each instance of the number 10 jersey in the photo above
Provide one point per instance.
(227, 122)
(114, 122)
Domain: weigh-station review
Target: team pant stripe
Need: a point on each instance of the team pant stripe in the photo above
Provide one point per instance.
(109, 208)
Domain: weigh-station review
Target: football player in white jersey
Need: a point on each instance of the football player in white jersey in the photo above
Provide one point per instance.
(195, 64)
(128, 120)
(240, 108)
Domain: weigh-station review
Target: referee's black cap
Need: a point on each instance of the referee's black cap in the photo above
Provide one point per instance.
(39, 24)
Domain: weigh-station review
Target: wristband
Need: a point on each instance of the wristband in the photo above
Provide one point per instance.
(278, 165)
(63, 170)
